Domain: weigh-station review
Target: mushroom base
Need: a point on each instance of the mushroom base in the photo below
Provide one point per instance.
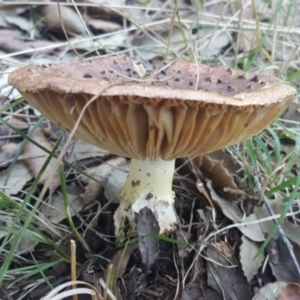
(149, 184)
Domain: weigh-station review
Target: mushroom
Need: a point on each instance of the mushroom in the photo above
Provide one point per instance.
(182, 110)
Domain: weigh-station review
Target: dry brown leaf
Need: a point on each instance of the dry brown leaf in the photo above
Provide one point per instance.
(34, 158)
(218, 174)
(100, 174)
(233, 212)
(248, 250)
(67, 16)
(16, 180)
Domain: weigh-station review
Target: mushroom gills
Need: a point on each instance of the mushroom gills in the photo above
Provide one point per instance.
(149, 184)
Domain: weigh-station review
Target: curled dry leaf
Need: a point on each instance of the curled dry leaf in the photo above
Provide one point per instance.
(100, 175)
(248, 250)
(218, 174)
(35, 157)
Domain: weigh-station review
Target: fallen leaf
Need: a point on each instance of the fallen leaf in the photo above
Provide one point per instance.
(104, 25)
(232, 211)
(100, 175)
(115, 182)
(210, 43)
(24, 246)
(284, 269)
(224, 277)
(149, 47)
(35, 157)
(15, 181)
(8, 153)
(247, 41)
(24, 24)
(70, 19)
(218, 174)
(289, 292)
(120, 264)
(248, 250)
(55, 210)
(270, 291)
(80, 150)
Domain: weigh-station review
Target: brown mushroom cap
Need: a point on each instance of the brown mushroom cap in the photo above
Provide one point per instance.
(164, 114)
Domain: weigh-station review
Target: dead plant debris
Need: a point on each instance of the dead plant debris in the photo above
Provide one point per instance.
(215, 253)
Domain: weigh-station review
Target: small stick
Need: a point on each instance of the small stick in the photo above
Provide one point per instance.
(73, 267)
(280, 230)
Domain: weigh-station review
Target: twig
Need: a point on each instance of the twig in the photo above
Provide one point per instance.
(280, 230)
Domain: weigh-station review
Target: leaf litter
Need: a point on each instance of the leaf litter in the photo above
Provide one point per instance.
(222, 222)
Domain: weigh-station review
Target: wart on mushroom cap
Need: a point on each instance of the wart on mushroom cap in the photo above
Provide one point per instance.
(182, 110)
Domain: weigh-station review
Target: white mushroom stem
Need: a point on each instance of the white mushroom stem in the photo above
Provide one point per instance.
(149, 184)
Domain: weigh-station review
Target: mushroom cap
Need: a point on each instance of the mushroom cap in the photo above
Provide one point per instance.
(182, 110)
